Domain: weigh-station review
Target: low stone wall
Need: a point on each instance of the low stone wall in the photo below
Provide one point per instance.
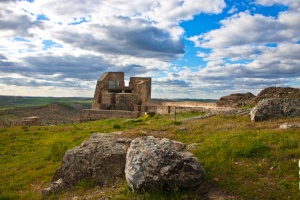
(171, 109)
(34, 120)
(158, 108)
(92, 115)
(184, 104)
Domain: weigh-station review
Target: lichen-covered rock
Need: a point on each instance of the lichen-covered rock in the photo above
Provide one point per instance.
(289, 125)
(278, 92)
(55, 187)
(275, 107)
(154, 163)
(100, 159)
(236, 100)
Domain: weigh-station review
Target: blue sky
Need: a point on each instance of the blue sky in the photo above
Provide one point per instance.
(190, 48)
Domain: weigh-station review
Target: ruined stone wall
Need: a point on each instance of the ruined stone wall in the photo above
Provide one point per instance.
(169, 109)
(144, 91)
(126, 101)
(115, 76)
(103, 82)
(108, 98)
(92, 115)
(183, 104)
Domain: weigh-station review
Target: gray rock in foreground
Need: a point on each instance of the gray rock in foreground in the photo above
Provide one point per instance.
(154, 163)
(100, 159)
(275, 107)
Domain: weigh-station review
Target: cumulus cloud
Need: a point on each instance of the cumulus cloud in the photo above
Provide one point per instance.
(15, 22)
(252, 50)
(50, 45)
(292, 4)
(91, 37)
(244, 28)
(232, 10)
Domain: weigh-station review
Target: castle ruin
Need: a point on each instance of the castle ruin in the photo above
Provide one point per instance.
(112, 99)
(112, 94)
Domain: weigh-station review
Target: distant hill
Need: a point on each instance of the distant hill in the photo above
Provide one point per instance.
(7, 102)
(51, 110)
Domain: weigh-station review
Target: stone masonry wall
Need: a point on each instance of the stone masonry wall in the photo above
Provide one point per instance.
(92, 115)
(126, 101)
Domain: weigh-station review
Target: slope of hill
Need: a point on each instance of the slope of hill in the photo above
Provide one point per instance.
(247, 160)
(7, 102)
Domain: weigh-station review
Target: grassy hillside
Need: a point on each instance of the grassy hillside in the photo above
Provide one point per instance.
(7, 102)
(248, 160)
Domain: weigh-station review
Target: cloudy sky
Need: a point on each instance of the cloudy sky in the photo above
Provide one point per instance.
(190, 48)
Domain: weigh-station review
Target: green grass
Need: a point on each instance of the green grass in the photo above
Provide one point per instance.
(8, 102)
(248, 160)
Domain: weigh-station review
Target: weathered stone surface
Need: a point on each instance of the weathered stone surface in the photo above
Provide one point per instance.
(288, 126)
(55, 187)
(235, 100)
(275, 107)
(278, 92)
(100, 159)
(193, 146)
(154, 163)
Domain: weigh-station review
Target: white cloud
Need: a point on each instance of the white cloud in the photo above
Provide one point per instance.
(232, 10)
(90, 37)
(292, 4)
(243, 28)
(141, 38)
(252, 50)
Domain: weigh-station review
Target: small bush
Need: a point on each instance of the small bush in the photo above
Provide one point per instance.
(58, 149)
(176, 122)
(85, 184)
(137, 120)
(8, 197)
(146, 117)
(116, 126)
(255, 148)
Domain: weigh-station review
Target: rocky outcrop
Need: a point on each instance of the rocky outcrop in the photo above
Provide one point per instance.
(274, 108)
(100, 159)
(278, 92)
(154, 163)
(289, 125)
(151, 163)
(248, 99)
(236, 100)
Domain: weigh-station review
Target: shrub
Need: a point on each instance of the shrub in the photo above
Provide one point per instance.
(58, 149)
(176, 122)
(146, 117)
(116, 126)
(255, 148)
(85, 184)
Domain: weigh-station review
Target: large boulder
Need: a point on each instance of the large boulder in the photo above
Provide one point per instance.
(100, 159)
(154, 163)
(274, 108)
(236, 100)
